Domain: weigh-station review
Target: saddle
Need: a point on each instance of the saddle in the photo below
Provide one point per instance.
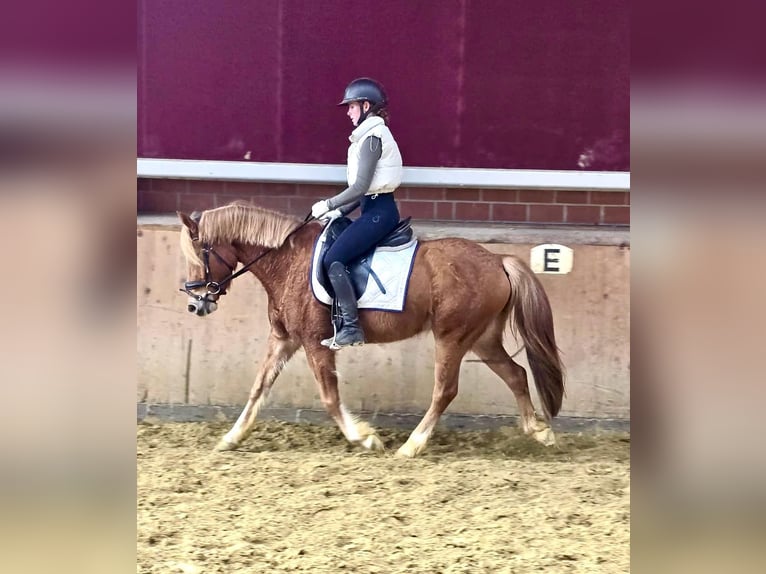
(360, 269)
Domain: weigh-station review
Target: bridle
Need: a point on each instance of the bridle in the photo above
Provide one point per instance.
(215, 288)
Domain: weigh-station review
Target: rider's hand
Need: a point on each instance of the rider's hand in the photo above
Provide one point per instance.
(331, 215)
(320, 208)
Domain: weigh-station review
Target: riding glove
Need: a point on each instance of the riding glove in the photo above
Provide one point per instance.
(320, 208)
(332, 215)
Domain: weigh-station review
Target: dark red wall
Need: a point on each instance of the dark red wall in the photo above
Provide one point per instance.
(490, 83)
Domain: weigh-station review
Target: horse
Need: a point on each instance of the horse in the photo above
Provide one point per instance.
(462, 292)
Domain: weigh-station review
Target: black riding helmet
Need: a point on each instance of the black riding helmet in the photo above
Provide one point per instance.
(365, 89)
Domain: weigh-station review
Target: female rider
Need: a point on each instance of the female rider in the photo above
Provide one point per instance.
(374, 171)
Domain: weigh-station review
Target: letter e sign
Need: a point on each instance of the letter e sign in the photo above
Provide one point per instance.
(551, 258)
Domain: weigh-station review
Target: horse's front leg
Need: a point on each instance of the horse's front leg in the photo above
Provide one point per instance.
(322, 363)
(280, 349)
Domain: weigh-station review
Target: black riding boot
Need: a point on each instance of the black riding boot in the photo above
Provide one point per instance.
(350, 333)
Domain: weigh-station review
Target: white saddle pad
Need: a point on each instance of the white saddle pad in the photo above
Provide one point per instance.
(392, 265)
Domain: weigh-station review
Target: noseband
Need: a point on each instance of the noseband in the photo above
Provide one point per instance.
(213, 287)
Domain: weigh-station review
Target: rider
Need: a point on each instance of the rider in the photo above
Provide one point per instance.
(374, 171)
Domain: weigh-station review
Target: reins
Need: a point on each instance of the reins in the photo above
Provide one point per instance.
(214, 287)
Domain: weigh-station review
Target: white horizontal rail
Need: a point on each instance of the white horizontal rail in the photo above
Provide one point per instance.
(413, 176)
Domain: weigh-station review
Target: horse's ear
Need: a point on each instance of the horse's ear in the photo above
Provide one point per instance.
(190, 224)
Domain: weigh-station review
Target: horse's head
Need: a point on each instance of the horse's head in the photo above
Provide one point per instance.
(209, 267)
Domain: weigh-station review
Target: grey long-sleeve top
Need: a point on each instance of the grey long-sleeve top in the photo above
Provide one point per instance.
(348, 199)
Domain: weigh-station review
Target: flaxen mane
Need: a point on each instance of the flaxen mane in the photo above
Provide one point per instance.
(239, 222)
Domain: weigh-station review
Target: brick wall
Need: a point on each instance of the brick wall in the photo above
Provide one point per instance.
(452, 204)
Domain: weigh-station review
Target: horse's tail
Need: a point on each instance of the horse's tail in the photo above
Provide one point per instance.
(533, 320)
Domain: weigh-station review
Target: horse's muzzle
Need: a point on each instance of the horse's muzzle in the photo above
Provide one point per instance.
(201, 307)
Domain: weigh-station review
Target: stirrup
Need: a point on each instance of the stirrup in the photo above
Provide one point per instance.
(330, 342)
(333, 346)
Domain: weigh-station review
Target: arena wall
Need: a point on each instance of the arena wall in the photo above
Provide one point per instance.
(187, 360)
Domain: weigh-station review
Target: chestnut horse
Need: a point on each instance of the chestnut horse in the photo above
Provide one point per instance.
(462, 292)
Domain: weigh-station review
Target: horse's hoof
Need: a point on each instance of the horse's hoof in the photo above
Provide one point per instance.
(406, 451)
(545, 436)
(372, 442)
(224, 445)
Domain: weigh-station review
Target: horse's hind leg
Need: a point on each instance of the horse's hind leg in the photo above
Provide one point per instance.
(448, 356)
(322, 363)
(280, 349)
(489, 348)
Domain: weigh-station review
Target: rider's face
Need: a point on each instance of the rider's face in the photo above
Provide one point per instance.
(355, 111)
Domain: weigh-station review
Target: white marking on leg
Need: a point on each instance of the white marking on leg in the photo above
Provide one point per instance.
(360, 431)
(419, 439)
(349, 422)
(546, 437)
(543, 433)
(372, 442)
(240, 428)
(415, 444)
(528, 422)
(539, 429)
